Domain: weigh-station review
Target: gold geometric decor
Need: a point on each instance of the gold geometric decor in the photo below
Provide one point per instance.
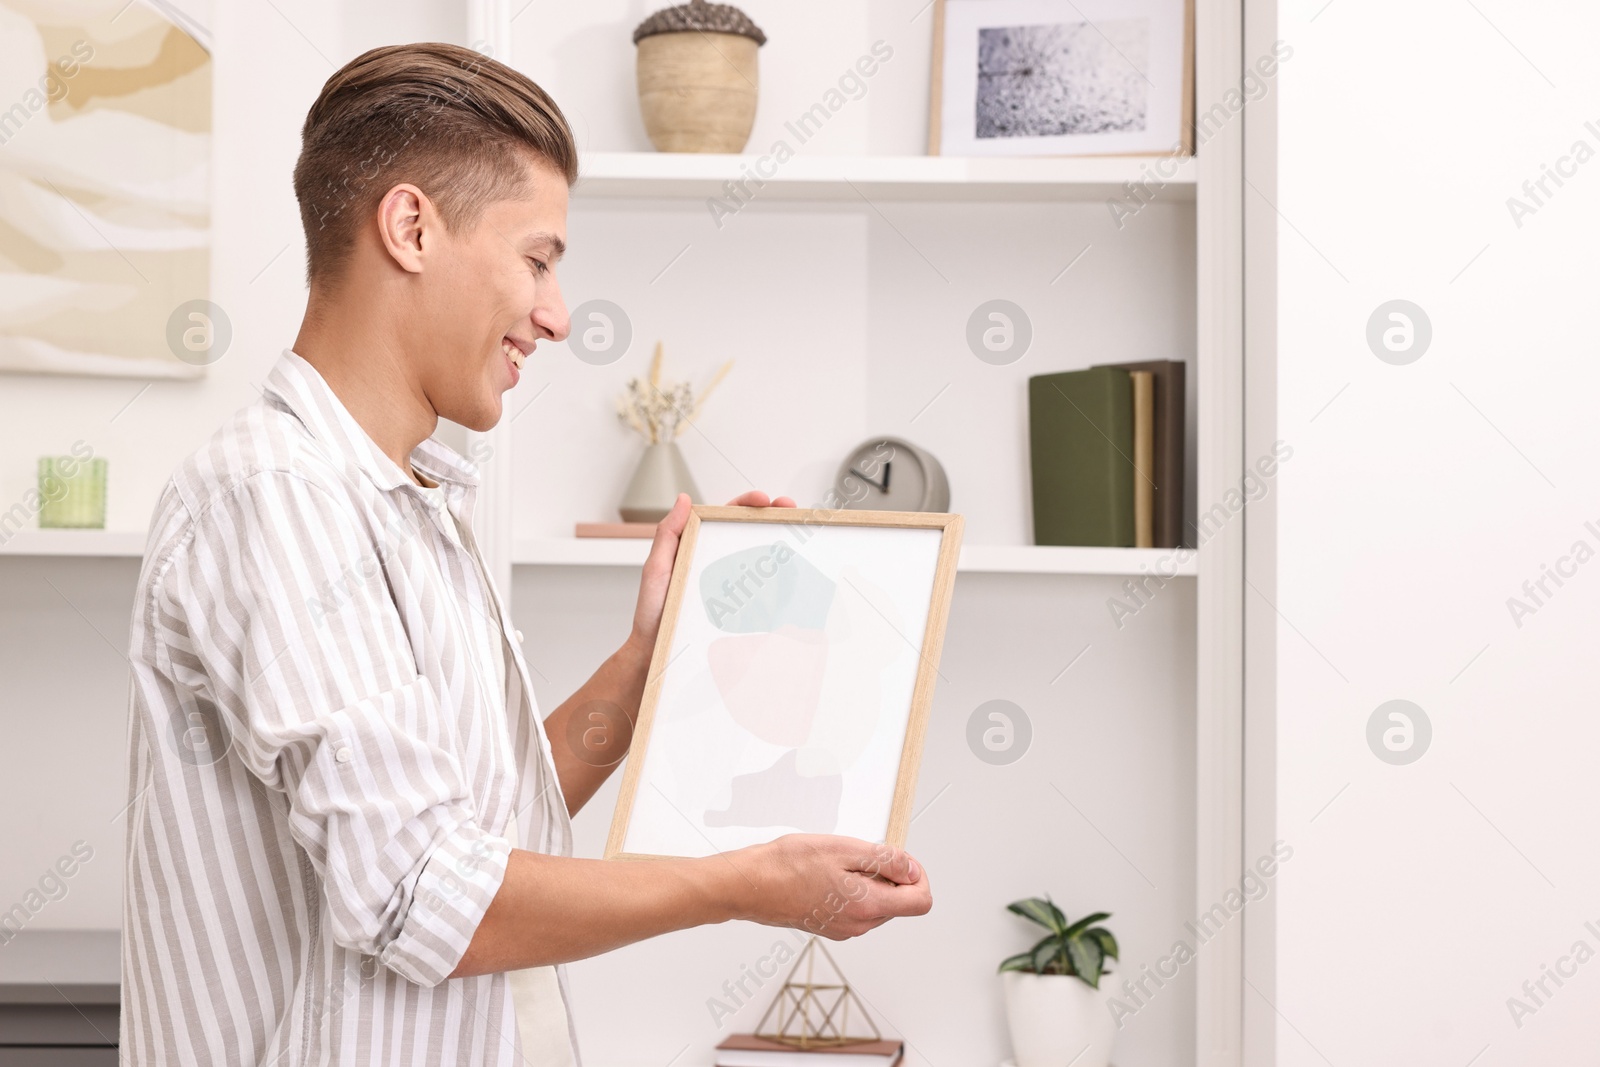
(813, 1014)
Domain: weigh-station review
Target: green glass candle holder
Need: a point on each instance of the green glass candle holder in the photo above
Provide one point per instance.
(73, 491)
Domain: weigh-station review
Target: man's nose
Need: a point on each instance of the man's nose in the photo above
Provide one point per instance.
(553, 320)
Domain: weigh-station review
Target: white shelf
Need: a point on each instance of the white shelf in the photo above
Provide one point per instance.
(1055, 559)
(629, 552)
(579, 551)
(976, 559)
(52, 542)
(865, 178)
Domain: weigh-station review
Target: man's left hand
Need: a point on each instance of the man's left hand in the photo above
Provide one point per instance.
(664, 552)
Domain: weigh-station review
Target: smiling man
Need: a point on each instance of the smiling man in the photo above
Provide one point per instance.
(349, 837)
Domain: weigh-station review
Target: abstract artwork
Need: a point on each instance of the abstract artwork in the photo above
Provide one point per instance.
(1044, 81)
(1061, 77)
(791, 681)
(105, 207)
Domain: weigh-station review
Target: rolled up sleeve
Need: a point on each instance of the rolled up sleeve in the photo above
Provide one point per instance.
(314, 676)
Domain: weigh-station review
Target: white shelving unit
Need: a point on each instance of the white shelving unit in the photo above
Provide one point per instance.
(630, 201)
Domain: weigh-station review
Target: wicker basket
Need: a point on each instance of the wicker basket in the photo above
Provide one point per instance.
(698, 76)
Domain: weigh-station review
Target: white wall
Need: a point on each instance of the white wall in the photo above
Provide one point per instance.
(267, 70)
(583, 53)
(1420, 498)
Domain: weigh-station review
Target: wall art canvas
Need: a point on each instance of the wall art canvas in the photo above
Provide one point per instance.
(105, 207)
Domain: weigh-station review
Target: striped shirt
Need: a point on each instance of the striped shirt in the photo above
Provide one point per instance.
(324, 760)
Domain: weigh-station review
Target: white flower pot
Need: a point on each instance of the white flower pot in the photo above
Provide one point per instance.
(1057, 1019)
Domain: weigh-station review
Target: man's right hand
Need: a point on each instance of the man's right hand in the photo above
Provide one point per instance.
(556, 909)
(835, 887)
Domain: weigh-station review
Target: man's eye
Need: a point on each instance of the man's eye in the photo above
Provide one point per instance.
(539, 265)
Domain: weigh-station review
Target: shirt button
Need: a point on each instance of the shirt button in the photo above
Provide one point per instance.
(519, 636)
(343, 755)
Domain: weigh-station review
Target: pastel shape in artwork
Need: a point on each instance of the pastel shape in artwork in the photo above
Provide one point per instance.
(864, 634)
(764, 587)
(781, 796)
(771, 682)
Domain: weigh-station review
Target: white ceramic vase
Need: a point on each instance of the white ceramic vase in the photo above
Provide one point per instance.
(1057, 1019)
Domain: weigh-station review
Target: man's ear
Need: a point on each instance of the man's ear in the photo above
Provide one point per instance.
(405, 217)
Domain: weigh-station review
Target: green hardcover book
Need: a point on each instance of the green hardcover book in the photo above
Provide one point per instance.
(1080, 432)
(1169, 446)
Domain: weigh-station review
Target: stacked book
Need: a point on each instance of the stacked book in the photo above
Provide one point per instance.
(1107, 454)
(748, 1050)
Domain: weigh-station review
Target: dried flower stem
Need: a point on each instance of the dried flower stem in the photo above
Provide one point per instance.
(659, 412)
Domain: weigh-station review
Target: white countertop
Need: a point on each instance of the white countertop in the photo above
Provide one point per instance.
(47, 966)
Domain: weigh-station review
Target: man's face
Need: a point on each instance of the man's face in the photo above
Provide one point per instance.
(491, 297)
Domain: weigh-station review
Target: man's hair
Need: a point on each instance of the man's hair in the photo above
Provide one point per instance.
(453, 122)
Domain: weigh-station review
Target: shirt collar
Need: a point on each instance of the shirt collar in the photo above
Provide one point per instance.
(301, 388)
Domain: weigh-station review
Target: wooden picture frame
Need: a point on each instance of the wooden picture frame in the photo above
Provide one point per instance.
(794, 604)
(1183, 145)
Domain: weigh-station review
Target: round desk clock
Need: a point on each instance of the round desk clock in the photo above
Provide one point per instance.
(891, 474)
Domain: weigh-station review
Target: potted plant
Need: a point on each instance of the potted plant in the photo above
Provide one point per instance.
(1055, 1007)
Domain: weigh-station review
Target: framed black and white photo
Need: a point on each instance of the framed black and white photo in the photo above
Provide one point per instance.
(1061, 77)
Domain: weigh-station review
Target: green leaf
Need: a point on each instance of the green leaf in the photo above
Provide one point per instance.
(1108, 944)
(1046, 952)
(1084, 923)
(1087, 959)
(1042, 912)
(1022, 961)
